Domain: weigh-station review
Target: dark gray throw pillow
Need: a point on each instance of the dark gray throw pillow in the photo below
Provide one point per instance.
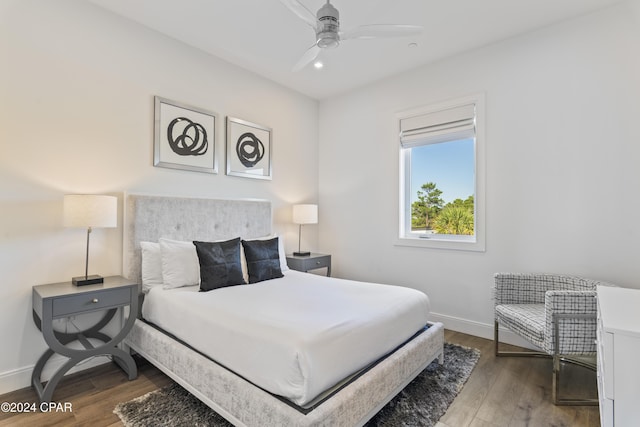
(219, 264)
(263, 259)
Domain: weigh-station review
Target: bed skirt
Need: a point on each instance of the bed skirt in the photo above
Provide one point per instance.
(244, 404)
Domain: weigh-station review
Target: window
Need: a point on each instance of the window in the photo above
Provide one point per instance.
(442, 175)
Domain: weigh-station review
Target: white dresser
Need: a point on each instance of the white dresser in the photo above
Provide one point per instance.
(619, 356)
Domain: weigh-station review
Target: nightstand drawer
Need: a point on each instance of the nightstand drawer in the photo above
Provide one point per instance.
(91, 301)
(309, 262)
(320, 262)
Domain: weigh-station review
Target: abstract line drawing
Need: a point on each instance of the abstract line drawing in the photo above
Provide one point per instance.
(189, 140)
(250, 149)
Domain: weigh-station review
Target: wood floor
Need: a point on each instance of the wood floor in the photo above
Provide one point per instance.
(505, 391)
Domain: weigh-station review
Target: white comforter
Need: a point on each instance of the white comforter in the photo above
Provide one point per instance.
(296, 336)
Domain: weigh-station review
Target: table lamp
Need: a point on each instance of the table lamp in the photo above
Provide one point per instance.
(86, 210)
(304, 214)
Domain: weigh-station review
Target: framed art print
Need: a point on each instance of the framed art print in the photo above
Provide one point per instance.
(248, 149)
(184, 137)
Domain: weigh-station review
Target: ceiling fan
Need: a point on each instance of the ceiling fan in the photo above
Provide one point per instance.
(326, 24)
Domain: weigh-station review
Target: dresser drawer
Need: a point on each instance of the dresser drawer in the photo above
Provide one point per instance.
(91, 301)
(606, 412)
(607, 365)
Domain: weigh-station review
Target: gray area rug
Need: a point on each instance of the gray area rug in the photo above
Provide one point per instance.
(421, 403)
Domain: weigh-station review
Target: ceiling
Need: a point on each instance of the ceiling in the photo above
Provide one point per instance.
(267, 38)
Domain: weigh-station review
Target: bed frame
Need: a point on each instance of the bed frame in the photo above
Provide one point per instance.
(147, 218)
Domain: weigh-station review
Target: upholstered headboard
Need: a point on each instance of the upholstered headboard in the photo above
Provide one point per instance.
(148, 218)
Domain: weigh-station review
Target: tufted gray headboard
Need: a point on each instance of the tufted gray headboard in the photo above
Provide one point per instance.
(148, 218)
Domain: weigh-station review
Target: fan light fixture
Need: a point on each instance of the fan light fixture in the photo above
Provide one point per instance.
(326, 26)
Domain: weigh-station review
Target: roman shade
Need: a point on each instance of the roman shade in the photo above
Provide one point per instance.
(438, 126)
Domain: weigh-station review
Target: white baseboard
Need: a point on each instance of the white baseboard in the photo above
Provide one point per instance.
(21, 377)
(15, 379)
(478, 329)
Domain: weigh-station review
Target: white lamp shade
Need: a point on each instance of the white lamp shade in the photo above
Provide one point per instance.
(86, 210)
(305, 214)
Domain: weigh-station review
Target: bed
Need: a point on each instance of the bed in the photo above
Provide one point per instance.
(342, 395)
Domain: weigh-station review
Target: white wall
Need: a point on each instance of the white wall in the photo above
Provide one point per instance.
(76, 116)
(563, 149)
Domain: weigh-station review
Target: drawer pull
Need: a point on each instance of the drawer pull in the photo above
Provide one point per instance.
(317, 262)
(95, 300)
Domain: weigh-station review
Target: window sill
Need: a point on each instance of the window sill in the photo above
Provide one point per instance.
(459, 243)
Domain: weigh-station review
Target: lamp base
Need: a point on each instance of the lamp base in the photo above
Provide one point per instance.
(302, 253)
(87, 280)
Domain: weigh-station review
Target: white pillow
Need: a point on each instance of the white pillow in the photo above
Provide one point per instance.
(180, 265)
(283, 256)
(243, 264)
(151, 265)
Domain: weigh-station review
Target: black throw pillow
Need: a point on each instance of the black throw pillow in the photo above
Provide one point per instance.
(219, 264)
(263, 259)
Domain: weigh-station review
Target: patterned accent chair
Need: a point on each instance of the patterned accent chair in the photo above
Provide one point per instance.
(555, 313)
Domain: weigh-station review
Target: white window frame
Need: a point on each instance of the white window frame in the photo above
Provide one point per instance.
(437, 241)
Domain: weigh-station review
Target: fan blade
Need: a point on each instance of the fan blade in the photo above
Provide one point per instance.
(311, 54)
(381, 30)
(301, 11)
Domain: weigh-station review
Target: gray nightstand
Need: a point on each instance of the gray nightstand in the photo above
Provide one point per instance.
(61, 300)
(311, 262)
